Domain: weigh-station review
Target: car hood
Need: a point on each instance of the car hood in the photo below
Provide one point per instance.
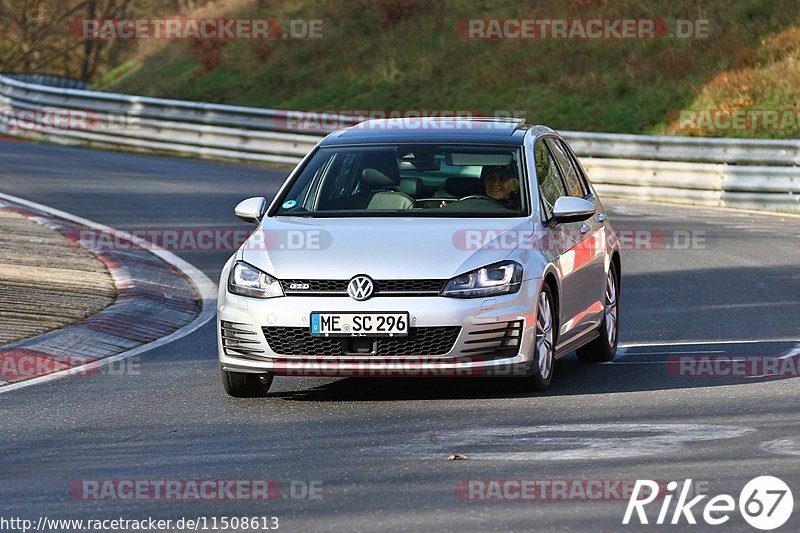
(382, 248)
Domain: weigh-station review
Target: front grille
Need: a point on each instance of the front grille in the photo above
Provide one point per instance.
(419, 342)
(409, 286)
(495, 340)
(336, 287)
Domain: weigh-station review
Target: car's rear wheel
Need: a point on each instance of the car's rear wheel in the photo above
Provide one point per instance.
(244, 385)
(604, 347)
(544, 349)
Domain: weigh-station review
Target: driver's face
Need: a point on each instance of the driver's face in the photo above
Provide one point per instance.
(499, 188)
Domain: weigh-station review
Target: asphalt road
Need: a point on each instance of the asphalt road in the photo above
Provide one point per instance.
(379, 448)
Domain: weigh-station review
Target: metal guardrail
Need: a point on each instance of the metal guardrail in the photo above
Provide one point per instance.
(762, 174)
(692, 149)
(50, 80)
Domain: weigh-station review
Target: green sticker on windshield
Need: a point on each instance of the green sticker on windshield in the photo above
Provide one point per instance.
(290, 204)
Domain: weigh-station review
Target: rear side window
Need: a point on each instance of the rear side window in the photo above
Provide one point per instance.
(572, 177)
(551, 188)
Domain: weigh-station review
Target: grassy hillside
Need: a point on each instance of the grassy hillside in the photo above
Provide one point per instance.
(406, 54)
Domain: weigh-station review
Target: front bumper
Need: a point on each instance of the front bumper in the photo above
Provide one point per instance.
(496, 336)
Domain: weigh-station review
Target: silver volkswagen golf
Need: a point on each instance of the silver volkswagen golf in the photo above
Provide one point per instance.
(451, 247)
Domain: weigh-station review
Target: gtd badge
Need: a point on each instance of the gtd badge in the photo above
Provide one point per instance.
(360, 288)
(299, 287)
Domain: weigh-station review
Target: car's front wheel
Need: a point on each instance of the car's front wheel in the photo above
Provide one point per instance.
(244, 385)
(544, 350)
(604, 347)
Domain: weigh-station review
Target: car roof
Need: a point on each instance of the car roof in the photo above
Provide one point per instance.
(435, 130)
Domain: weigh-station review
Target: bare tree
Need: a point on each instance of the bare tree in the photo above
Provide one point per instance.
(35, 35)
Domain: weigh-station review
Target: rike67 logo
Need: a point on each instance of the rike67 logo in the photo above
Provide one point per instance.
(765, 503)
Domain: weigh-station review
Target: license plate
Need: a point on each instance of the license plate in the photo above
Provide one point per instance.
(359, 324)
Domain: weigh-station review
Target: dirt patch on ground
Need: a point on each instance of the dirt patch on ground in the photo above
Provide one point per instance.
(46, 280)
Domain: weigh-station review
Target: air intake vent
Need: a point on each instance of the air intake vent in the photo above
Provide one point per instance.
(501, 339)
(238, 341)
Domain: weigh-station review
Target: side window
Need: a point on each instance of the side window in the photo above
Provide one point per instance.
(572, 177)
(551, 188)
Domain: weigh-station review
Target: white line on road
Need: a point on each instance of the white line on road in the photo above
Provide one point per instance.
(634, 363)
(625, 347)
(693, 352)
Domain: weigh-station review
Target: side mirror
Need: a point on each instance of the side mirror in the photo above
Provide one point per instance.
(572, 209)
(251, 210)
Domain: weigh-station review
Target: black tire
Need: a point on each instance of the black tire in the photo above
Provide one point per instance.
(537, 380)
(243, 385)
(600, 350)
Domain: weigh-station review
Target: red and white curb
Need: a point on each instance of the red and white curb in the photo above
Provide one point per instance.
(160, 298)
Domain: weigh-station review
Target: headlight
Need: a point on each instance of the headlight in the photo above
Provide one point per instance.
(247, 280)
(499, 278)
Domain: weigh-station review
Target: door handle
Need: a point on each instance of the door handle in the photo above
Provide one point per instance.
(584, 228)
(602, 217)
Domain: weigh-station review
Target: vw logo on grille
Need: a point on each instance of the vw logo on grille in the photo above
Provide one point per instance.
(360, 288)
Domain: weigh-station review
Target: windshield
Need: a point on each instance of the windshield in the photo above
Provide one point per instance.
(409, 180)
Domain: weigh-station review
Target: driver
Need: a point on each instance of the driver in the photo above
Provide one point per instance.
(501, 184)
